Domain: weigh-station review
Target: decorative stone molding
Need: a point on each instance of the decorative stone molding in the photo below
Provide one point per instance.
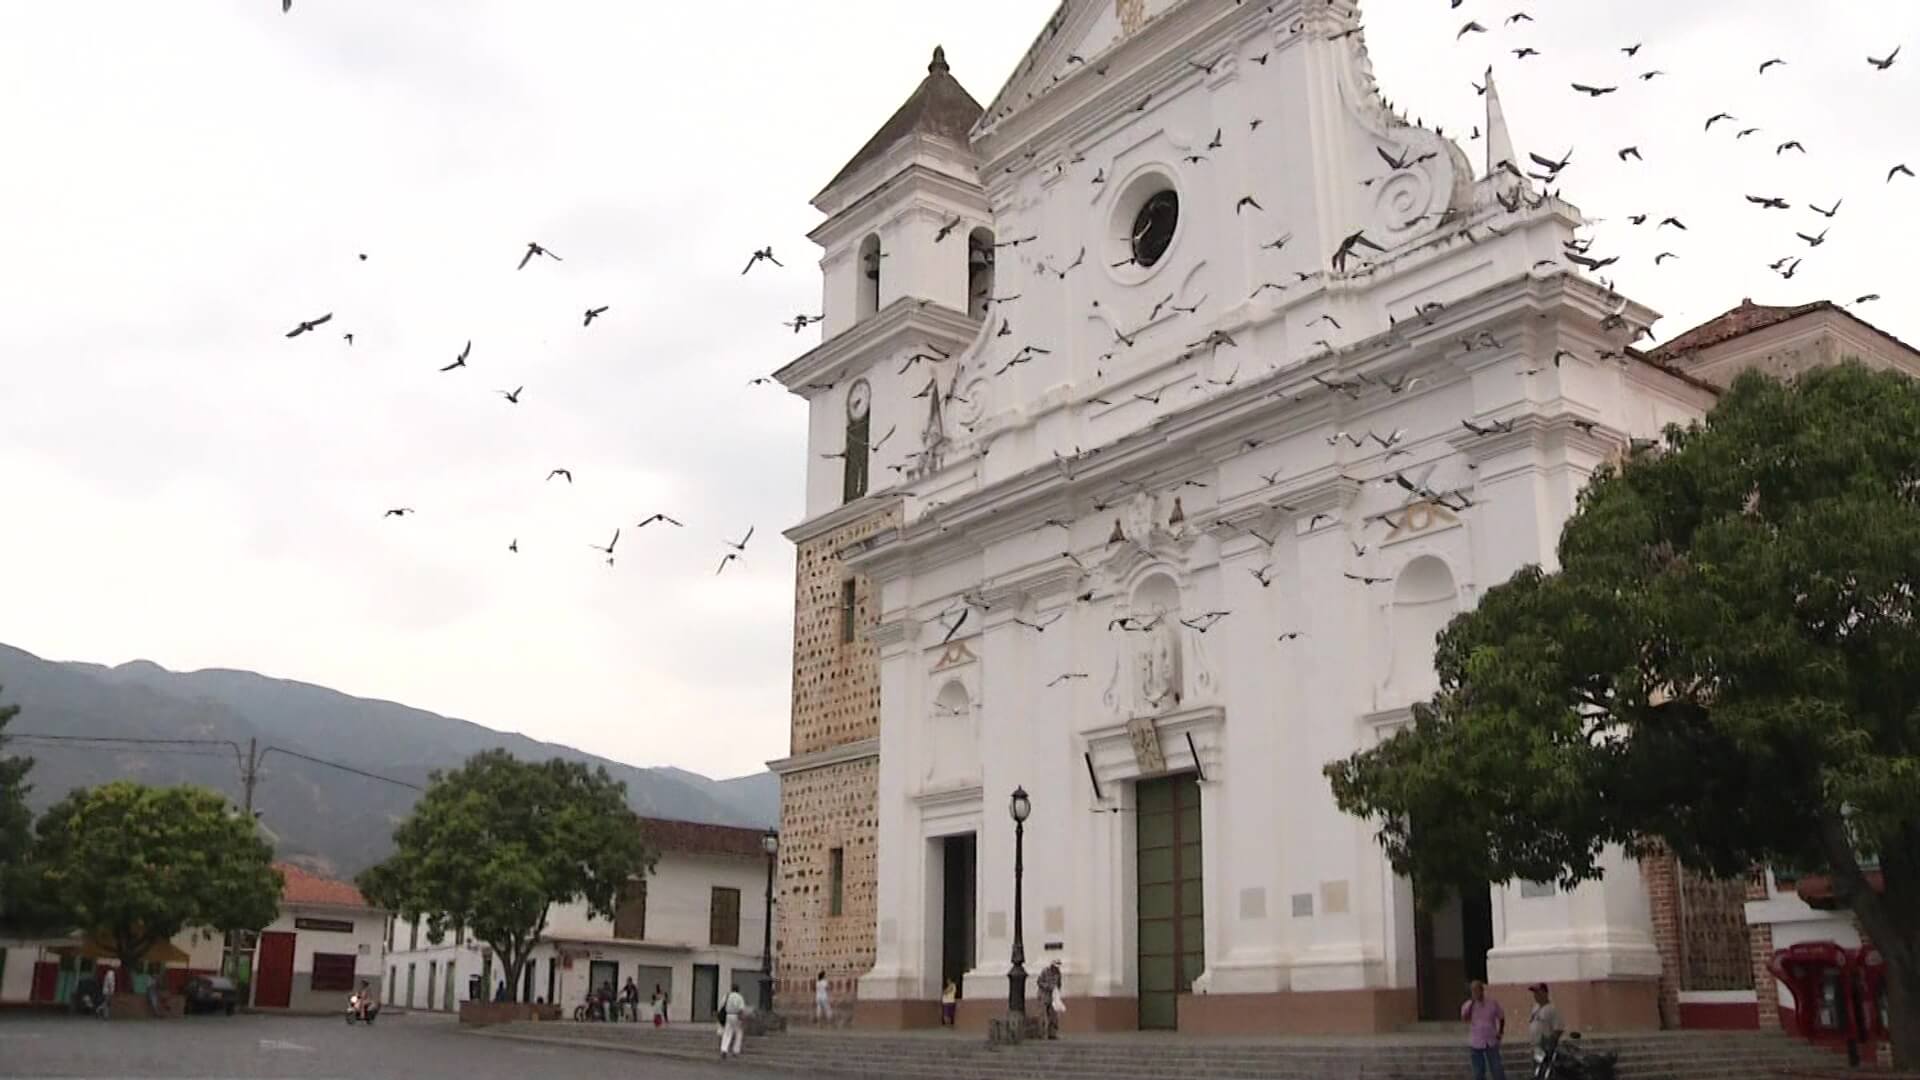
(1112, 745)
(820, 759)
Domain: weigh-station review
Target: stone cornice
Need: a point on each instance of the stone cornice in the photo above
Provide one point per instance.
(842, 515)
(906, 319)
(894, 631)
(820, 759)
(858, 215)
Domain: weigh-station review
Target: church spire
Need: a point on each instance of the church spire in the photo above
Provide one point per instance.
(1499, 142)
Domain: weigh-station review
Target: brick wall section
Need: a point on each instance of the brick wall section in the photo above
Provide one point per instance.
(836, 701)
(822, 809)
(836, 685)
(1661, 873)
(1766, 994)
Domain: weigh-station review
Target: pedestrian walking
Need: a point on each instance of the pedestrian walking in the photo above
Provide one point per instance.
(732, 1035)
(659, 1006)
(949, 999)
(1544, 1027)
(106, 995)
(1049, 987)
(1486, 1025)
(822, 1000)
(630, 1000)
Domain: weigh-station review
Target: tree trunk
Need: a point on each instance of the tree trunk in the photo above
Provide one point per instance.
(1891, 918)
(1903, 1013)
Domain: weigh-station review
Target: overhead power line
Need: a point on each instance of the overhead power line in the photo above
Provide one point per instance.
(248, 761)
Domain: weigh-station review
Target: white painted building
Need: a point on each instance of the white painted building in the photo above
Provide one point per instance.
(695, 928)
(1207, 391)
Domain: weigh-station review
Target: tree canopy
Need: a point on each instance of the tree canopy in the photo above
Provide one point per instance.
(1726, 662)
(136, 865)
(494, 844)
(16, 821)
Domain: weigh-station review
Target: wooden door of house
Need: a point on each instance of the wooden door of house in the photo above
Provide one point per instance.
(273, 985)
(1172, 930)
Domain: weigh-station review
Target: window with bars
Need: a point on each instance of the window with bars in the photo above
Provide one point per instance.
(724, 928)
(836, 880)
(847, 602)
(333, 971)
(1713, 932)
(630, 915)
(854, 475)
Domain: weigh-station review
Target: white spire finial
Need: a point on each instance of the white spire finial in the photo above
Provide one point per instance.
(1499, 142)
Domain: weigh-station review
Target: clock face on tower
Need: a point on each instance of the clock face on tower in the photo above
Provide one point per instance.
(859, 398)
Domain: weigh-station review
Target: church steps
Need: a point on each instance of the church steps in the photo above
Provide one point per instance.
(1674, 1056)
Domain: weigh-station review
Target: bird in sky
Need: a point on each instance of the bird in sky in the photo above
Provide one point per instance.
(1790, 144)
(398, 511)
(565, 474)
(535, 249)
(1826, 213)
(1246, 201)
(1065, 676)
(742, 544)
(947, 228)
(1815, 240)
(1205, 621)
(1775, 62)
(594, 313)
(1594, 91)
(461, 360)
(801, 322)
(1898, 170)
(513, 395)
(309, 324)
(1631, 152)
(610, 544)
(1470, 28)
(513, 545)
(1716, 118)
(1041, 626)
(1349, 245)
(724, 560)
(764, 254)
(1887, 62)
(659, 517)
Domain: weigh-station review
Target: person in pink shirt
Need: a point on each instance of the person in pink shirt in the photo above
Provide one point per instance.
(1486, 1025)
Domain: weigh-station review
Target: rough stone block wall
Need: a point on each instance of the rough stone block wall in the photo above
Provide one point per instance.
(836, 684)
(823, 809)
(836, 701)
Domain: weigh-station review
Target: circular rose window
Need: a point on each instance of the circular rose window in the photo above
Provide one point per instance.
(1154, 225)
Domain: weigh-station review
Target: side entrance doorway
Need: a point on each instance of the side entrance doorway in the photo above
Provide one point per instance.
(958, 896)
(706, 992)
(1172, 932)
(273, 986)
(1450, 945)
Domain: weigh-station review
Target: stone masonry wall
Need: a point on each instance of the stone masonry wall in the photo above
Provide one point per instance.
(836, 701)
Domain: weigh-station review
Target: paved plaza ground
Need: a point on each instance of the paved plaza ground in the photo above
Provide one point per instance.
(307, 1048)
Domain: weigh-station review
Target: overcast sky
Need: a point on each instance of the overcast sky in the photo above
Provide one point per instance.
(185, 181)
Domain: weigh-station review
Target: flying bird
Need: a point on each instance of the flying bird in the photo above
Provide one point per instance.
(1790, 144)
(1767, 202)
(513, 545)
(535, 249)
(1470, 28)
(1631, 50)
(766, 254)
(801, 322)
(1886, 63)
(1813, 241)
(1348, 245)
(1775, 62)
(566, 474)
(724, 560)
(461, 360)
(1594, 91)
(1898, 170)
(1058, 679)
(659, 517)
(400, 511)
(1204, 622)
(947, 228)
(1246, 201)
(308, 324)
(1826, 213)
(1631, 152)
(512, 396)
(1716, 118)
(742, 545)
(610, 544)
(594, 313)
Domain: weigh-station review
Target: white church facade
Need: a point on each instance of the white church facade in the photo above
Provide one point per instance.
(1167, 407)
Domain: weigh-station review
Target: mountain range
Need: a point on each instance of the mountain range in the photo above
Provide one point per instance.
(327, 819)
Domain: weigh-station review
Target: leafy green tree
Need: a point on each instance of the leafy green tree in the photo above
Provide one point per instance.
(1726, 662)
(137, 865)
(16, 821)
(495, 844)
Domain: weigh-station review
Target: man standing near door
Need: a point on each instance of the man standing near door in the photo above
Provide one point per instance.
(1486, 1026)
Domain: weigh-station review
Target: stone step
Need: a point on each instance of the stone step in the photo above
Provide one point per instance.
(1682, 1056)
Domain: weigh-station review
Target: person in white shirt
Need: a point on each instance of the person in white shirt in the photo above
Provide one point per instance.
(106, 992)
(732, 1035)
(1544, 1026)
(822, 1003)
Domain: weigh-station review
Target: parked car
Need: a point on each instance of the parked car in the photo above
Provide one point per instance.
(211, 993)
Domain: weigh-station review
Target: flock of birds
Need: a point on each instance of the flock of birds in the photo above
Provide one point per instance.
(733, 549)
(1352, 253)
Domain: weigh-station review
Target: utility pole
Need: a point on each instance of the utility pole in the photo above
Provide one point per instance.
(250, 773)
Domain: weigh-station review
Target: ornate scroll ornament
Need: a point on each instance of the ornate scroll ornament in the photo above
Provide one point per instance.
(955, 654)
(1132, 15)
(1419, 517)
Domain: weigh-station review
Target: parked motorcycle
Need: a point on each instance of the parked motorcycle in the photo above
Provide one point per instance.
(1569, 1059)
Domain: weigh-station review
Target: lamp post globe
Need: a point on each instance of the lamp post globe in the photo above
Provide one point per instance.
(1018, 808)
(769, 843)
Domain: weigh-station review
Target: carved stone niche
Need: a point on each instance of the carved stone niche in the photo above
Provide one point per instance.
(953, 738)
(1158, 666)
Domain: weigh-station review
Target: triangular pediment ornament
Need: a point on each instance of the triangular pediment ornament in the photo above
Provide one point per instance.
(954, 654)
(1078, 35)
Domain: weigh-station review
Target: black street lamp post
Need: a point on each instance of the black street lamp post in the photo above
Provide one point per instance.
(1020, 807)
(769, 843)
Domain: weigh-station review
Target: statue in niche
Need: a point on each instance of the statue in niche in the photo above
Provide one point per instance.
(1158, 663)
(1138, 525)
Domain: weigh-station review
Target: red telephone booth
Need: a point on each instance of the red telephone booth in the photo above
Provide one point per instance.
(1816, 974)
